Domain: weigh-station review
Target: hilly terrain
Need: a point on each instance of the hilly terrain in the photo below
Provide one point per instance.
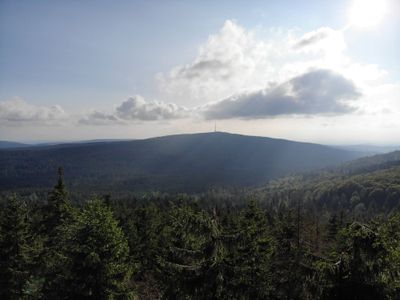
(327, 223)
(178, 163)
(358, 188)
(10, 145)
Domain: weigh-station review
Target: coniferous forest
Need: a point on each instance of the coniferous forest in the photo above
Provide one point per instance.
(199, 150)
(335, 238)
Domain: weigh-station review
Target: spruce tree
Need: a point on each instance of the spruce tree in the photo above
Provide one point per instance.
(99, 256)
(391, 241)
(253, 254)
(15, 259)
(191, 255)
(58, 217)
(58, 208)
(361, 265)
(287, 277)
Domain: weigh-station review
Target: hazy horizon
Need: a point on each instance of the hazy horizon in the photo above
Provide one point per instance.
(313, 71)
(200, 149)
(393, 145)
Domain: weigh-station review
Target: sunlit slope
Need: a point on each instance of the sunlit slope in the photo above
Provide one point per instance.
(189, 163)
(360, 188)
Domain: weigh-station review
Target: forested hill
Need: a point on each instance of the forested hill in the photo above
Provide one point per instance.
(187, 163)
(371, 163)
(363, 187)
(9, 145)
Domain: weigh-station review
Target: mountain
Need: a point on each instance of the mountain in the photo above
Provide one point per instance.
(189, 163)
(9, 145)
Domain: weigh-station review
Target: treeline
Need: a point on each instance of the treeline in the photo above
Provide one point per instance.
(190, 163)
(361, 196)
(190, 248)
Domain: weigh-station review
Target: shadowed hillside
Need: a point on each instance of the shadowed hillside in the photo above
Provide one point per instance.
(190, 163)
(9, 145)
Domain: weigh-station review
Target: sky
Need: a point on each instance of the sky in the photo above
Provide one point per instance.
(315, 71)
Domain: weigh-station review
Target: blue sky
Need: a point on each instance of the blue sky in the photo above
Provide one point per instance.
(129, 69)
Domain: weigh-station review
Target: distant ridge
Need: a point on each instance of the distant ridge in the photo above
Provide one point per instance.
(371, 149)
(9, 145)
(178, 163)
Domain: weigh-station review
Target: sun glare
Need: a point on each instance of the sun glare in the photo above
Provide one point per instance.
(367, 13)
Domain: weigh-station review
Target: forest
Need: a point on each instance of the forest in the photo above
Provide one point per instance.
(188, 163)
(200, 150)
(321, 235)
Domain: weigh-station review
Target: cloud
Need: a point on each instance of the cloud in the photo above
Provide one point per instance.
(236, 64)
(262, 74)
(99, 118)
(225, 64)
(312, 38)
(136, 109)
(17, 112)
(314, 92)
(236, 60)
(323, 39)
(238, 73)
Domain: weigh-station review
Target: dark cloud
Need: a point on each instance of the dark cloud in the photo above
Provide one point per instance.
(315, 92)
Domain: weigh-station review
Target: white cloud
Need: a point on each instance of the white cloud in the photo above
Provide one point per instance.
(314, 92)
(18, 112)
(136, 109)
(240, 75)
(237, 60)
(227, 63)
(99, 118)
(236, 63)
(237, 74)
(324, 39)
(383, 99)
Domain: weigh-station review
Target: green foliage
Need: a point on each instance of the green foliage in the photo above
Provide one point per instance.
(98, 253)
(58, 209)
(336, 238)
(253, 254)
(180, 163)
(361, 266)
(143, 227)
(391, 241)
(190, 253)
(15, 251)
(57, 218)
